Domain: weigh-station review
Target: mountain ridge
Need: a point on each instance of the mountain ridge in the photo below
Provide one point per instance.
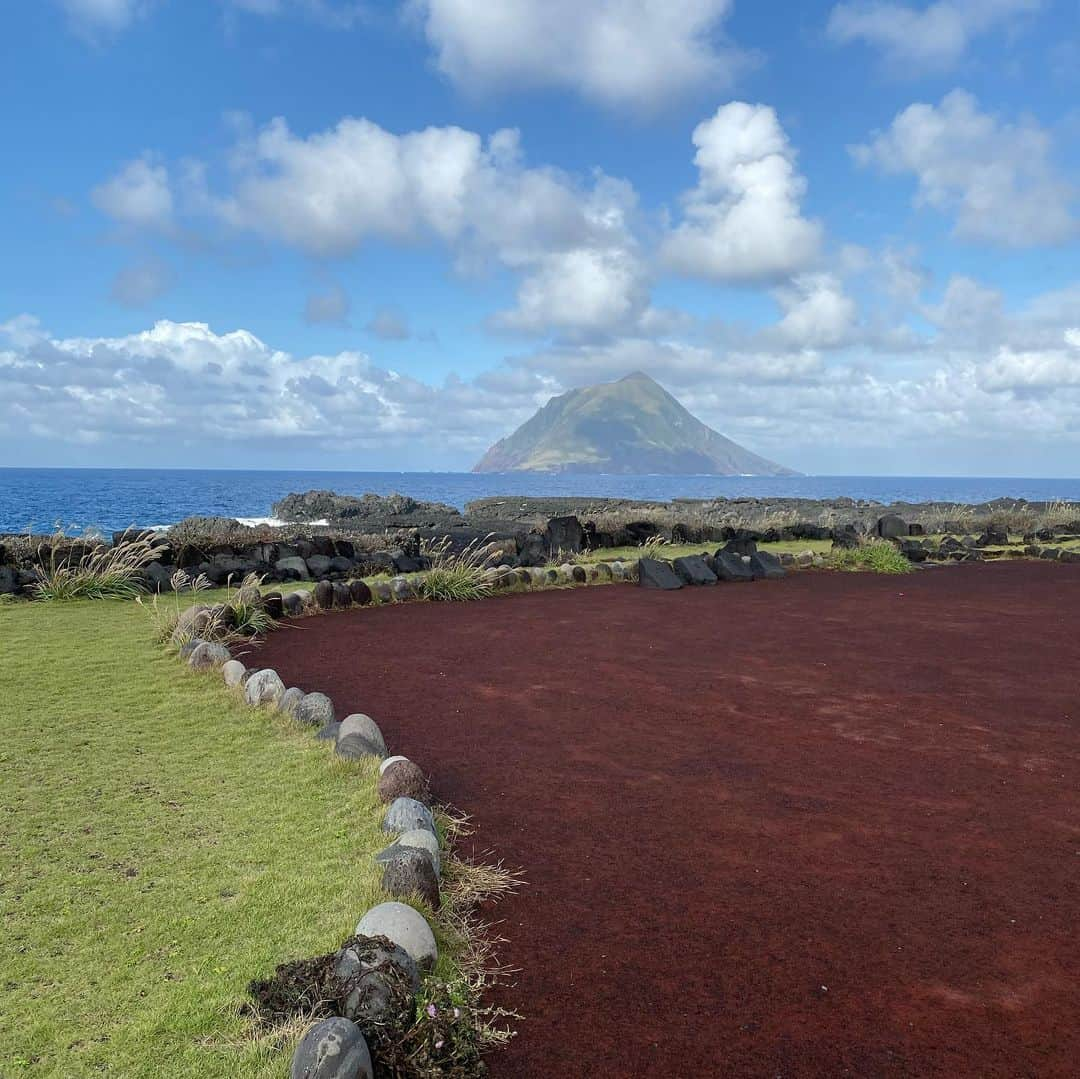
(631, 426)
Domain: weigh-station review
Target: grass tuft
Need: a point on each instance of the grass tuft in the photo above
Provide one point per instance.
(100, 572)
(455, 577)
(877, 556)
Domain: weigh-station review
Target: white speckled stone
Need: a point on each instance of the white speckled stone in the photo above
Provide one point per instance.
(233, 672)
(390, 760)
(264, 687)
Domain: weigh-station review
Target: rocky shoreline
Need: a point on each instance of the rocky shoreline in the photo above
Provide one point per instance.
(371, 535)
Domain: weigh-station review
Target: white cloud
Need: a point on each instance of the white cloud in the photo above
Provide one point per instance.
(139, 195)
(934, 37)
(1043, 369)
(331, 191)
(181, 386)
(330, 306)
(817, 311)
(581, 289)
(743, 221)
(1010, 389)
(997, 178)
(142, 282)
(618, 52)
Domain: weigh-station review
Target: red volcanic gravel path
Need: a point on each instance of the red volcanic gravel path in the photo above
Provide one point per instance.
(826, 826)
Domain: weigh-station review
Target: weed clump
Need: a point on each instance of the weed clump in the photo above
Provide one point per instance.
(876, 556)
(463, 576)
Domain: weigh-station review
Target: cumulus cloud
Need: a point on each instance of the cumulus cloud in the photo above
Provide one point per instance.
(1043, 369)
(329, 192)
(142, 282)
(818, 313)
(915, 39)
(182, 385)
(743, 221)
(330, 306)
(389, 324)
(139, 195)
(617, 52)
(997, 178)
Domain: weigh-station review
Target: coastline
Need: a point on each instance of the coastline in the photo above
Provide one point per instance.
(113, 499)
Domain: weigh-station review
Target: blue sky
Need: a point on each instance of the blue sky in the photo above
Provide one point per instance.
(320, 233)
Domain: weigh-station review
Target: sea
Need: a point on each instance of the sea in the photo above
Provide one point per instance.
(108, 499)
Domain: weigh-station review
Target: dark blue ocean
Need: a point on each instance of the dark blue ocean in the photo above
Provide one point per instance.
(110, 499)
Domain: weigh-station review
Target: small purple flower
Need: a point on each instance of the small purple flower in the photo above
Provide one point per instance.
(439, 1044)
(457, 1013)
(432, 1010)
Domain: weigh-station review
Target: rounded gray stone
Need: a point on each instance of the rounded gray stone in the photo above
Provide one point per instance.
(359, 736)
(618, 571)
(401, 589)
(316, 710)
(332, 1049)
(329, 733)
(290, 701)
(391, 760)
(188, 647)
(208, 656)
(233, 672)
(404, 926)
(264, 687)
(604, 570)
(381, 591)
(407, 815)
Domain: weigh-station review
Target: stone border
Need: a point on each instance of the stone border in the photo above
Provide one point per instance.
(412, 860)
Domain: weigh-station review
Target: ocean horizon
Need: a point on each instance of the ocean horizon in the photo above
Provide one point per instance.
(77, 499)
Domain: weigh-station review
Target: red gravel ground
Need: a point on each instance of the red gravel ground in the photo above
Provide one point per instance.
(825, 826)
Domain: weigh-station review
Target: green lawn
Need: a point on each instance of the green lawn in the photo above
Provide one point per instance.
(160, 846)
(677, 550)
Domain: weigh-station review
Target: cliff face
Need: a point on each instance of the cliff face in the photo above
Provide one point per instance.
(630, 426)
